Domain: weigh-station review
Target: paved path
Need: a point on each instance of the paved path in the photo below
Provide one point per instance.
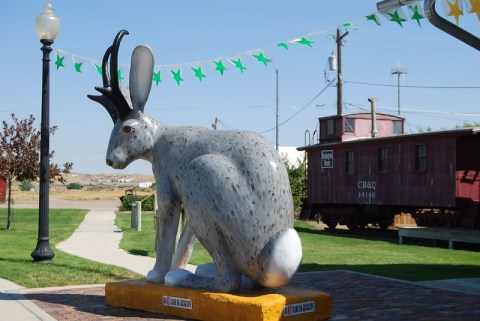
(14, 306)
(97, 239)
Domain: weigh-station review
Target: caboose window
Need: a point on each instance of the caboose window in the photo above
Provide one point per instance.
(349, 125)
(420, 158)
(350, 162)
(397, 127)
(383, 160)
(330, 127)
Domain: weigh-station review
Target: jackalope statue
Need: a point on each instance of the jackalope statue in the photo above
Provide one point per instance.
(232, 184)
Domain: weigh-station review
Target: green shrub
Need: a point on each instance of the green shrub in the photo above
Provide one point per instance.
(26, 185)
(147, 205)
(74, 186)
(126, 205)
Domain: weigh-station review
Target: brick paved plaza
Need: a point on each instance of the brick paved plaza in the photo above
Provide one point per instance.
(355, 297)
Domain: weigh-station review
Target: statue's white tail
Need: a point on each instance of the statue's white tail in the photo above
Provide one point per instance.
(280, 259)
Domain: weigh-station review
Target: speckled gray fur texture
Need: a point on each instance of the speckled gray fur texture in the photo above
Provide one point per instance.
(233, 186)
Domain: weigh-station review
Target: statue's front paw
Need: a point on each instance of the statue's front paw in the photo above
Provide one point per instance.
(155, 276)
(178, 277)
(207, 270)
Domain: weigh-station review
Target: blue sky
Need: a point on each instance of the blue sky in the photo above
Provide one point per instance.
(181, 33)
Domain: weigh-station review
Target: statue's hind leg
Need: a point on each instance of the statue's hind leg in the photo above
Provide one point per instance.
(184, 249)
(206, 202)
(280, 259)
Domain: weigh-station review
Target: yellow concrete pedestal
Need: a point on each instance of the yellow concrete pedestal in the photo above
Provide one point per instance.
(287, 303)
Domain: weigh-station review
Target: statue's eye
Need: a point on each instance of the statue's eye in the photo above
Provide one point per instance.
(127, 129)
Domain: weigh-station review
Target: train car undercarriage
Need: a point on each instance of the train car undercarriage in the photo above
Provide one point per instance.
(360, 216)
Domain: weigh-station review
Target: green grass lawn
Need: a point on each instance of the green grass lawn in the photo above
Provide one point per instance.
(323, 251)
(17, 244)
(142, 243)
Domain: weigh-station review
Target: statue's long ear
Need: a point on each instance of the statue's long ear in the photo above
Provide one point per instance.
(141, 74)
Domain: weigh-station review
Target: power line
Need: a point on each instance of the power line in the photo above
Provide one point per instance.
(411, 86)
(224, 124)
(412, 37)
(436, 113)
(302, 109)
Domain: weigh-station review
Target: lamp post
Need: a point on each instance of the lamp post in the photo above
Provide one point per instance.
(47, 26)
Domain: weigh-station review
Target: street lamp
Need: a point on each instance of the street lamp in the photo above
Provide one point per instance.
(47, 26)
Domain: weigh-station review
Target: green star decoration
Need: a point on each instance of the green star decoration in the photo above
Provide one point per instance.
(238, 64)
(304, 41)
(396, 17)
(283, 45)
(198, 73)
(177, 76)
(156, 77)
(119, 75)
(373, 17)
(59, 61)
(219, 66)
(99, 69)
(78, 66)
(261, 58)
(416, 14)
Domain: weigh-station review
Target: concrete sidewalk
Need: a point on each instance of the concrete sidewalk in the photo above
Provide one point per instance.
(98, 239)
(14, 306)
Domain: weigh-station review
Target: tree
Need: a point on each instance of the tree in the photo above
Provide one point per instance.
(467, 124)
(297, 176)
(20, 155)
(26, 185)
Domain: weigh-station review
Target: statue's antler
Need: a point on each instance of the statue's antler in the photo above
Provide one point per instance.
(112, 97)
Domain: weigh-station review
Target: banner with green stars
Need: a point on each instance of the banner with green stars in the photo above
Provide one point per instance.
(199, 70)
(219, 66)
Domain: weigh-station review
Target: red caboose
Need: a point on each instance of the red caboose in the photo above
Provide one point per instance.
(355, 180)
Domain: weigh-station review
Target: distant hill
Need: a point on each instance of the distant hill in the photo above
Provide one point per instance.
(107, 179)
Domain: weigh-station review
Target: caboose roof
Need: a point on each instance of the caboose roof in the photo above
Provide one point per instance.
(379, 116)
(359, 140)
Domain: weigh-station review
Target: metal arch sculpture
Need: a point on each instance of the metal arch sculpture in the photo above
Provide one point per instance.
(232, 184)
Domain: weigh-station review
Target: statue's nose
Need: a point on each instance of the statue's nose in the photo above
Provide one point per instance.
(109, 162)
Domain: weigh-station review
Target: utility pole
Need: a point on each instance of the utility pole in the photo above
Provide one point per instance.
(214, 124)
(339, 40)
(399, 71)
(276, 104)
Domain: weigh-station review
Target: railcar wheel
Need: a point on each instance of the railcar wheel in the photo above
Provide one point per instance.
(331, 224)
(352, 226)
(353, 221)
